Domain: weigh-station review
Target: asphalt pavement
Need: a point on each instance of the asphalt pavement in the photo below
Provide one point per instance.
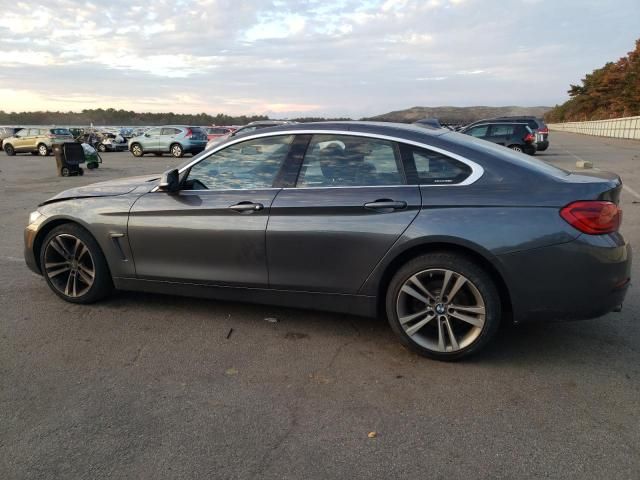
(148, 386)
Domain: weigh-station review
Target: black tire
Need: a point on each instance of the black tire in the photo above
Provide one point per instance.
(102, 283)
(475, 276)
(176, 150)
(80, 172)
(101, 147)
(9, 150)
(43, 150)
(136, 150)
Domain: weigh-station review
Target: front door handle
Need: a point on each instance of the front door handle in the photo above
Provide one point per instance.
(246, 207)
(385, 204)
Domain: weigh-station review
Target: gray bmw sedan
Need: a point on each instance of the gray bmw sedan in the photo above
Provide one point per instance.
(446, 235)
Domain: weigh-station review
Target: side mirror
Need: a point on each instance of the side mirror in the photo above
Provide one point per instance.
(170, 181)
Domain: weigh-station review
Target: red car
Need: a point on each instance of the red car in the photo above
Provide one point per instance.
(215, 132)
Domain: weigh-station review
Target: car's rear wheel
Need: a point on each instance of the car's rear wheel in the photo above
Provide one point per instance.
(443, 306)
(136, 149)
(102, 147)
(9, 150)
(177, 150)
(43, 150)
(516, 148)
(74, 266)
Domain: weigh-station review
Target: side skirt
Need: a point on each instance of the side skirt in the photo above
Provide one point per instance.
(361, 305)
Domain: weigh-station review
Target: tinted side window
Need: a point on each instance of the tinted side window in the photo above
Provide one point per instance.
(427, 167)
(153, 131)
(344, 161)
(251, 164)
(170, 131)
(501, 130)
(479, 132)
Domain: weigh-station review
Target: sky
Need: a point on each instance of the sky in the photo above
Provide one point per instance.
(292, 58)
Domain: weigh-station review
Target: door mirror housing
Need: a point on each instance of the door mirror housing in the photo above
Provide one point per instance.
(170, 181)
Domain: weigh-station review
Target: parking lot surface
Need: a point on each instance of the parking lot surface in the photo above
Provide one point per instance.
(149, 386)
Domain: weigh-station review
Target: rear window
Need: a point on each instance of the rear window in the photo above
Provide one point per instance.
(506, 154)
(60, 131)
(427, 167)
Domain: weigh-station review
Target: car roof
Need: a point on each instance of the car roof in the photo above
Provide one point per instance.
(402, 130)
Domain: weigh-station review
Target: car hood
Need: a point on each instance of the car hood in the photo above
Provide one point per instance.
(107, 189)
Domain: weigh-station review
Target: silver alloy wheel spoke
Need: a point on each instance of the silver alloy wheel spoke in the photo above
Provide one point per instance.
(476, 322)
(413, 316)
(445, 283)
(460, 281)
(59, 247)
(452, 337)
(440, 337)
(418, 284)
(414, 328)
(407, 289)
(477, 310)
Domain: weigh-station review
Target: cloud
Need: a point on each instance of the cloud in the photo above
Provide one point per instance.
(321, 57)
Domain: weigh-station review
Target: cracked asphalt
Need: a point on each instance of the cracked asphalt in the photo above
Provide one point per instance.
(149, 386)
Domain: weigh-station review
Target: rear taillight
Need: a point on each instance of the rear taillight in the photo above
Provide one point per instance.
(529, 137)
(189, 133)
(593, 217)
(543, 130)
(50, 135)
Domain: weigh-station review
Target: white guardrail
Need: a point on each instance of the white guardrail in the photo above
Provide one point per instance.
(628, 127)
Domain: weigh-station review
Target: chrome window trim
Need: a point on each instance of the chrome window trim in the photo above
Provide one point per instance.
(476, 170)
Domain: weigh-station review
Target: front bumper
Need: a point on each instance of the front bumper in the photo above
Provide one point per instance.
(582, 279)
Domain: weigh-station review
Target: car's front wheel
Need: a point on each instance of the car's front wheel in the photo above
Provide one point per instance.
(136, 149)
(74, 266)
(177, 150)
(9, 150)
(443, 306)
(43, 150)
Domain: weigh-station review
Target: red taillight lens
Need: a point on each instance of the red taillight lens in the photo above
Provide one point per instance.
(189, 133)
(529, 137)
(543, 130)
(593, 217)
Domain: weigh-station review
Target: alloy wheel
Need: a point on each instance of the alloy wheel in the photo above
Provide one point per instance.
(516, 148)
(137, 150)
(441, 310)
(176, 150)
(69, 265)
(43, 151)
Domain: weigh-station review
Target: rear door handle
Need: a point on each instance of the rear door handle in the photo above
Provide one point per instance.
(246, 207)
(385, 204)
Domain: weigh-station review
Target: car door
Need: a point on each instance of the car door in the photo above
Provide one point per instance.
(150, 140)
(167, 137)
(213, 230)
(349, 205)
(500, 133)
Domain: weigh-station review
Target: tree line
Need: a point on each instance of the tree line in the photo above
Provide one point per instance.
(110, 116)
(612, 91)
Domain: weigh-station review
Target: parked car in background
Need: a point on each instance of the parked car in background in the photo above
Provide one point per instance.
(249, 127)
(36, 140)
(174, 139)
(444, 234)
(516, 136)
(6, 132)
(216, 132)
(537, 125)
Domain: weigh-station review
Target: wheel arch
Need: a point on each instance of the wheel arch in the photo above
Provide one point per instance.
(472, 252)
(44, 230)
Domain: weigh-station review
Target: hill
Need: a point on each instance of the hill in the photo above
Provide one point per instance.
(612, 91)
(457, 115)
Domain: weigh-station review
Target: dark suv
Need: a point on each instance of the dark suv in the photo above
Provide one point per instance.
(537, 125)
(516, 136)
